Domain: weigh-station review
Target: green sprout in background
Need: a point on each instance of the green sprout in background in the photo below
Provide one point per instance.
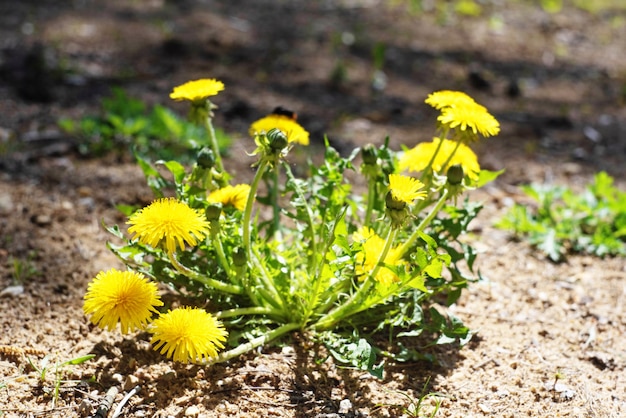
(363, 272)
(126, 123)
(564, 221)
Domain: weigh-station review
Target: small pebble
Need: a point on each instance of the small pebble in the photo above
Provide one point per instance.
(12, 291)
(345, 406)
(192, 411)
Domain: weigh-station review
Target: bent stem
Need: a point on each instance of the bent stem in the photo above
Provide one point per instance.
(353, 304)
(425, 222)
(254, 343)
(216, 284)
(221, 256)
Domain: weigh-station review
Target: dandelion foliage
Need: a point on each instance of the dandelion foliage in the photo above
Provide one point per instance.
(364, 270)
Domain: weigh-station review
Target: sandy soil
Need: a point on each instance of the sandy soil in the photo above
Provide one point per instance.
(534, 320)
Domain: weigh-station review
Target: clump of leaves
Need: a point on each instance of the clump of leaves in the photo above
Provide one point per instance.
(125, 122)
(564, 221)
(362, 270)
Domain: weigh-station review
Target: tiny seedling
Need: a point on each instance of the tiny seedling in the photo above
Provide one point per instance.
(58, 369)
(415, 408)
(23, 269)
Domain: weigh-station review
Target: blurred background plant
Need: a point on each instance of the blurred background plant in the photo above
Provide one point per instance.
(562, 221)
(126, 122)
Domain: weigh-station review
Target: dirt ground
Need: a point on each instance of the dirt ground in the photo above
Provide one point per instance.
(557, 83)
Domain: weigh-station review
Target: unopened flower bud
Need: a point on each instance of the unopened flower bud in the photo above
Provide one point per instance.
(455, 174)
(239, 257)
(392, 203)
(277, 139)
(205, 158)
(213, 211)
(369, 155)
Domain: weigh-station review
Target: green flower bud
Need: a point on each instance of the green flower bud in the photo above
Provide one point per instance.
(205, 158)
(369, 154)
(392, 203)
(213, 211)
(455, 174)
(277, 139)
(239, 257)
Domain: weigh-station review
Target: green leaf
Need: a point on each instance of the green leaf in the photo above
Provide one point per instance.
(176, 168)
(486, 176)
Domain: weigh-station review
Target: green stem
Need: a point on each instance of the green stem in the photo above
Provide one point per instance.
(255, 310)
(213, 140)
(348, 308)
(216, 284)
(371, 198)
(429, 166)
(252, 344)
(274, 197)
(221, 256)
(309, 217)
(445, 165)
(247, 213)
(425, 222)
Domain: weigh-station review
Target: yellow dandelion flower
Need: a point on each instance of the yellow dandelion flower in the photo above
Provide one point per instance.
(417, 158)
(235, 196)
(121, 296)
(472, 116)
(366, 259)
(170, 220)
(197, 90)
(188, 335)
(405, 189)
(446, 98)
(291, 128)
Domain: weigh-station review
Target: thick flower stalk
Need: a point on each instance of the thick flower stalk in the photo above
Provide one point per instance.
(188, 335)
(126, 297)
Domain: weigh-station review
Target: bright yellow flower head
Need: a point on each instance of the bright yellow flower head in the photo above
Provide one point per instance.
(170, 220)
(417, 158)
(446, 98)
(197, 90)
(121, 296)
(472, 116)
(291, 128)
(235, 196)
(188, 335)
(405, 189)
(366, 259)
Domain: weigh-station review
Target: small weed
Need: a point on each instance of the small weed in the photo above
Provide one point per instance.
(563, 221)
(415, 408)
(58, 369)
(23, 269)
(126, 123)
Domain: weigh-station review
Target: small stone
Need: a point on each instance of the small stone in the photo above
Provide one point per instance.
(12, 291)
(345, 406)
(117, 377)
(6, 204)
(41, 220)
(192, 411)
